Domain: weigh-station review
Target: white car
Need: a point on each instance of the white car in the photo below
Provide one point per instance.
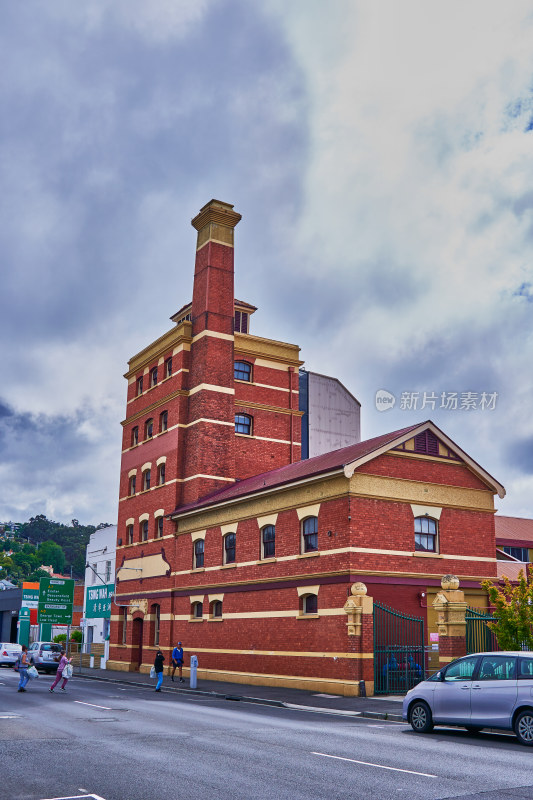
(9, 653)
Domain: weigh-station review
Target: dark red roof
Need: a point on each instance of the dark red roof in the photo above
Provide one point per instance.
(328, 462)
(516, 529)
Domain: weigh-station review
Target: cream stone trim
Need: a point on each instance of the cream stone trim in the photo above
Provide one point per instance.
(290, 654)
(146, 465)
(264, 362)
(426, 511)
(159, 513)
(276, 441)
(211, 477)
(268, 520)
(132, 472)
(231, 528)
(289, 614)
(308, 511)
(151, 566)
(160, 361)
(303, 590)
(213, 335)
(129, 521)
(198, 535)
(184, 346)
(211, 387)
(161, 460)
(144, 517)
(213, 598)
(205, 419)
(196, 598)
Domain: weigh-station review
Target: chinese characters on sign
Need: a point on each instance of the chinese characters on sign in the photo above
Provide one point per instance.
(449, 401)
(98, 601)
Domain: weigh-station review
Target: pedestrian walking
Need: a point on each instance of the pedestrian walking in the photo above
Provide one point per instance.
(177, 661)
(63, 661)
(158, 666)
(23, 669)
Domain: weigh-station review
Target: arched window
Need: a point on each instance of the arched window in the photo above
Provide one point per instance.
(133, 481)
(242, 371)
(159, 528)
(197, 611)
(148, 429)
(139, 386)
(243, 424)
(161, 474)
(153, 376)
(216, 609)
(229, 548)
(163, 421)
(309, 604)
(426, 531)
(268, 541)
(168, 367)
(135, 436)
(310, 535)
(147, 476)
(144, 531)
(156, 622)
(198, 553)
(129, 534)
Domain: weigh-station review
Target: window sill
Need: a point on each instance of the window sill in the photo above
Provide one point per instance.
(143, 491)
(308, 616)
(228, 566)
(314, 554)
(196, 620)
(271, 560)
(215, 619)
(198, 569)
(422, 554)
(245, 435)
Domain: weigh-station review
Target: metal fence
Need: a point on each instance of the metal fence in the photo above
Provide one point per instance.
(479, 637)
(399, 650)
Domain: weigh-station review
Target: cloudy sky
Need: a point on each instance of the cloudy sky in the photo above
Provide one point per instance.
(381, 155)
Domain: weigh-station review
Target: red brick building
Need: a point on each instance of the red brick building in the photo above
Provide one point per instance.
(230, 543)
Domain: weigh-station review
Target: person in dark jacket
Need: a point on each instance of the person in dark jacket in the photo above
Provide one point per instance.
(158, 666)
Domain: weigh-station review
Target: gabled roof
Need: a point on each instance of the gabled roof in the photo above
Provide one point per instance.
(346, 460)
(511, 570)
(515, 529)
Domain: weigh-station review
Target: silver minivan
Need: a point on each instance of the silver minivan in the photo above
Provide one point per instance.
(482, 690)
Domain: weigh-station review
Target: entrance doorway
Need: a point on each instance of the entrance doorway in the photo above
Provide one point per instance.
(137, 642)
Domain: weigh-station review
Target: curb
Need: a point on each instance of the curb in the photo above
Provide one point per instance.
(264, 701)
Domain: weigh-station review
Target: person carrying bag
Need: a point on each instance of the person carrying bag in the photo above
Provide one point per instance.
(23, 669)
(64, 662)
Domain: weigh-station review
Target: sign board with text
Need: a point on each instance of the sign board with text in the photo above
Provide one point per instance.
(98, 601)
(56, 600)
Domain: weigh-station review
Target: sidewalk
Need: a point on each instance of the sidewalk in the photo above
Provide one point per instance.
(372, 707)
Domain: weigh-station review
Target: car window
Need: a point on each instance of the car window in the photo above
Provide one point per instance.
(47, 647)
(497, 668)
(56, 648)
(461, 670)
(525, 670)
(33, 646)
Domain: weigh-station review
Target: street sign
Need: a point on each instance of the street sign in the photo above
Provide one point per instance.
(98, 601)
(56, 600)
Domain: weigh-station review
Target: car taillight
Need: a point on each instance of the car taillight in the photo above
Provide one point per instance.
(5, 653)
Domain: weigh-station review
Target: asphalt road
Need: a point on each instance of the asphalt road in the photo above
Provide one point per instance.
(130, 743)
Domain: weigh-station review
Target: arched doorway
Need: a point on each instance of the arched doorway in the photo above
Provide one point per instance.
(137, 642)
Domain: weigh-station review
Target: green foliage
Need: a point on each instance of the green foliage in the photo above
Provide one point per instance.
(76, 636)
(52, 554)
(61, 637)
(514, 611)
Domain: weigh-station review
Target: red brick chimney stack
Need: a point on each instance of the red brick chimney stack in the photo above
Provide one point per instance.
(209, 458)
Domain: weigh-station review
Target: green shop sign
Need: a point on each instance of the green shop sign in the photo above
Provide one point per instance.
(98, 601)
(56, 599)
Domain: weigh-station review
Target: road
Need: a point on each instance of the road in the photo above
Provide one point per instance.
(129, 743)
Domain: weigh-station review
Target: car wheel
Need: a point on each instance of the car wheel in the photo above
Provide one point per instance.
(420, 717)
(473, 728)
(523, 727)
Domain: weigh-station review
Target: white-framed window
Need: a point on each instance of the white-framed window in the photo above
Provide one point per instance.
(197, 610)
(426, 534)
(243, 424)
(147, 476)
(310, 535)
(198, 555)
(309, 604)
(153, 376)
(230, 541)
(268, 541)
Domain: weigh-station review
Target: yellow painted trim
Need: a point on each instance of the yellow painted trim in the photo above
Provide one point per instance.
(211, 477)
(146, 465)
(196, 598)
(288, 614)
(159, 513)
(210, 387)
(161, 460)
(198, 535)
(232, 528)
(212, 598)
(269, 519)
(129, 521)
(303, 590)
(289, 653)
(132, 472)
(212, 335)
(144, 517)
(265, 407)
(430, 511)
(308, 511)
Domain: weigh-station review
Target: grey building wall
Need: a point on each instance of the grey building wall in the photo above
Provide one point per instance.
(10, 603)
(332, 415)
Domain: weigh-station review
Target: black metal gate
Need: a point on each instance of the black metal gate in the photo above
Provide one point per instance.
(399, 650)
(479, 637)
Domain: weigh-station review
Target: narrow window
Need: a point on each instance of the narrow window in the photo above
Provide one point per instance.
(426, 534)
(148, 429)
(95, 572)
(163, 421)
(159, 528)
(269, 541)
(144, 531)
(107, 571)
(310, 534)
(133, 481)
(147, 475)
(153, 376)
(229, 548)
(243, 424)
(168, 367)
(310, 604)
(241, 322)
(217, 608)
(198, 553)
(242, 371)
(197, 610)
(130, 534)
(139, 386)
(124, 612)
(156, 618)
(135, 436)
(161, 474)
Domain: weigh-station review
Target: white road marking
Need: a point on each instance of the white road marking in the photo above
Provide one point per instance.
(77, 797)
(379, 766)
(10, 716)
(106, 708)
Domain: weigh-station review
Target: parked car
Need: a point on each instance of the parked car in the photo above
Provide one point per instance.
(45, 655)
(9, 653)
(482, 690)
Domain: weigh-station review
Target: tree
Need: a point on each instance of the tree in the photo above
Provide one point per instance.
(52, 554)
(513, 625)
